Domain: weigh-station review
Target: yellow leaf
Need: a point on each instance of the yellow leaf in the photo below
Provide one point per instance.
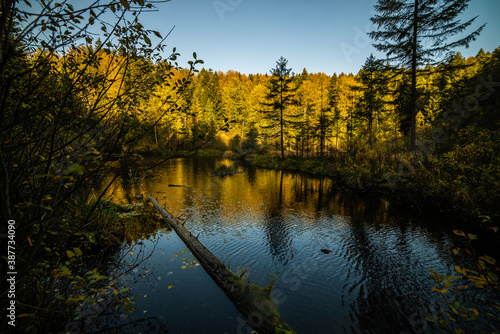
(474, 311)
(436, 289)
(462, 271)
(460, 233)
(116, 291)
(447, 284)
(170, 286)
(488, 259)
(70, 254)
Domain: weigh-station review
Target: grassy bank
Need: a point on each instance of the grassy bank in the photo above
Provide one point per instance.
(464, 180)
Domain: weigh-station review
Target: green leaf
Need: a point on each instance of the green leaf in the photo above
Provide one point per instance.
(75, 168)
(431, 318)
(70, 254)
(194, 55)
(472, 236)
(128, 307)
(77, 251)
(493, 276)
(90, 300)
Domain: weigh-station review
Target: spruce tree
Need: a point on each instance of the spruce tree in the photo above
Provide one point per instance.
(281, 92)
(414, 32)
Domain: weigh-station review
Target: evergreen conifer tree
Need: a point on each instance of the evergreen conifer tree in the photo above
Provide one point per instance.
(281, 92)
(414, 32)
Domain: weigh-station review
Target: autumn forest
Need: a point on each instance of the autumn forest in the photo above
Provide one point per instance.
(74, 102)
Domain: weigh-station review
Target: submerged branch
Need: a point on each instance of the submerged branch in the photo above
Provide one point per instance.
(252, 301)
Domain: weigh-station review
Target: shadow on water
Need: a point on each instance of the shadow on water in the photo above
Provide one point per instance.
(371, 277)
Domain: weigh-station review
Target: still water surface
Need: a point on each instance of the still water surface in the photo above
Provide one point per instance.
(374, 280)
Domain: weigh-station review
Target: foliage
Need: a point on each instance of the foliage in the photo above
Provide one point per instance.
(280, 94)
(473, 281)
(70, 105)
(413, 33)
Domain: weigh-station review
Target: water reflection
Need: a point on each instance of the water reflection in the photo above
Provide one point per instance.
(374, 280)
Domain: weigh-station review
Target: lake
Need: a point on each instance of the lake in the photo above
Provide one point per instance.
(371, 277)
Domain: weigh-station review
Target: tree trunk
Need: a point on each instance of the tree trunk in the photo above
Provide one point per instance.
(252, 301)
(413, 98)
(281, 123)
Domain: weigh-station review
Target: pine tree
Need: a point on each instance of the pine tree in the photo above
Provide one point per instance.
(280, 94)
(414, 32)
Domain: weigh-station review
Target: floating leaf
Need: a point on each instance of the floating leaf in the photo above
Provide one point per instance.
(462, 271)
(431, 318)
(170, 286)
(493, 276)
(440, 290)
(447, 284)
(77, 298)
(488, 259)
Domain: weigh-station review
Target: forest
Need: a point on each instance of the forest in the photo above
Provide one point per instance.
(72, 103)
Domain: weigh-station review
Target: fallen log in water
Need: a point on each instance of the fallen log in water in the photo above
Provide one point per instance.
(252, 301)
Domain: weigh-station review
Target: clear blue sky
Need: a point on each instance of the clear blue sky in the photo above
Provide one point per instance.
(323, 36)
